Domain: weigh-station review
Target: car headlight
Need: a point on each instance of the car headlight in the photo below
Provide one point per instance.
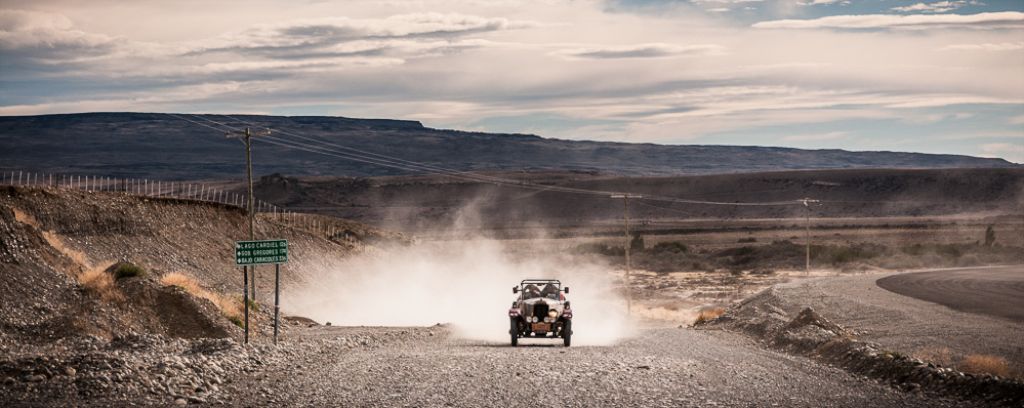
(553, 314)
(533, 319)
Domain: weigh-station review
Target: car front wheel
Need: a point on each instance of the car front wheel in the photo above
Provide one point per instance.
(567, 333)
(513, 331)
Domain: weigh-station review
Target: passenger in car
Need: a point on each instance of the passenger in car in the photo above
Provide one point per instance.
(550, 291)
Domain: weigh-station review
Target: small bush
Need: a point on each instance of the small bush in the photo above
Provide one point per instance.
(985, 364)
(637, 243)
(672, 247)
(708, 314)
(599, 248)
(98, 281)
(951, 250)
(990, 236)
(837, 255)
(916, 249)
(128, 270)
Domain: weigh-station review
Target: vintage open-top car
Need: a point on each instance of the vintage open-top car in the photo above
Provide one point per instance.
(540, 311)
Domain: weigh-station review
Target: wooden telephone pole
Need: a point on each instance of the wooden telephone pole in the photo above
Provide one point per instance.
(246, 137)
(629, 242)
(807, 233)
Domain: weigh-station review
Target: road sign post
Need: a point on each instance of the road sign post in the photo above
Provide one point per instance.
(252, 253)
(245, 300)
(277, 298)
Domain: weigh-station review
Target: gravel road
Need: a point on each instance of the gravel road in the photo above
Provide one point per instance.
(668, 367)
(908, 325)
(991, 291)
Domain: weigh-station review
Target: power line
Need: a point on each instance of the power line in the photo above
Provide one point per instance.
(329, 149)
(414, 166)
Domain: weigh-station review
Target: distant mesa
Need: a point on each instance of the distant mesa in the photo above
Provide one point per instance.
(180, 147)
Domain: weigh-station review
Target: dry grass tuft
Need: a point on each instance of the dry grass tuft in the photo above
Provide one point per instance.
(230, 308)
(77, 256)
(181, 280)
(98, 281)
(937, 355)
(985, 364)
(708, 314)
(25, 218)
(93, 278)
(52, 239)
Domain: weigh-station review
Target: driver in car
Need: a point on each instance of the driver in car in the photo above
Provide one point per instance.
(550, 291)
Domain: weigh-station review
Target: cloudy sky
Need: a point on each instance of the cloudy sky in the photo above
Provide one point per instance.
(927, 76)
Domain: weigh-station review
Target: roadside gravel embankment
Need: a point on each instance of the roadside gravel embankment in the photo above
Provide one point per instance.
(852, 323)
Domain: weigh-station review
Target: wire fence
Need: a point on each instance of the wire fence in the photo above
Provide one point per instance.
(325, 226)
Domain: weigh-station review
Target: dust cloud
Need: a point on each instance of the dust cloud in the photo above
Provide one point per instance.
(466, 283)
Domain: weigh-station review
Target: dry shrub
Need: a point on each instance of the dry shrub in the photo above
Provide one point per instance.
(229, 307)
(708, 314)
(52, 239)
(24, 218)
(937, 355)
(985, 364)
(77, 256)
(98, 281)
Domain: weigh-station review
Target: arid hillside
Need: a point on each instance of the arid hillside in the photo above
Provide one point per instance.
(426, 203)
(67, 258)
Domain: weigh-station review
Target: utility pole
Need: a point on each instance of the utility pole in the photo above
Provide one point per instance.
(807, 233)
(246, 137)
(625, 217)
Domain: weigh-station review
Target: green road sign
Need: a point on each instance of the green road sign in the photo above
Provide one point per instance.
(261, 252)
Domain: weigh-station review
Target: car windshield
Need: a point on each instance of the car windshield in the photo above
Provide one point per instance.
(549, 290)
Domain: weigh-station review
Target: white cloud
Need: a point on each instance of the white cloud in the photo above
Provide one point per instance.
(1005, 46)
(936, 7)
(725, 1)
(1004, 19)
(652, 50)
(336, 34)
(823, 2)
(47, 36)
